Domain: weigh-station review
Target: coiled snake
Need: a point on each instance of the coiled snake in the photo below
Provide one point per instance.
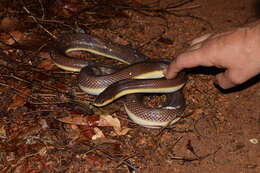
(141, 75)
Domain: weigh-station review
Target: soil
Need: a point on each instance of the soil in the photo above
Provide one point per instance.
(221, 132)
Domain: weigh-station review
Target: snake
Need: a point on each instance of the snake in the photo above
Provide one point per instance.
(140, 76)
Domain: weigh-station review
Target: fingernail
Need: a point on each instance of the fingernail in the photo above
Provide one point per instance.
(195, 47)
(200, 39)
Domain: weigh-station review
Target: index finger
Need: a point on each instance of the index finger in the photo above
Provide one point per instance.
(189, 59)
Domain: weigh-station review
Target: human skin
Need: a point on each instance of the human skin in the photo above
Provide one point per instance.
(237, 51)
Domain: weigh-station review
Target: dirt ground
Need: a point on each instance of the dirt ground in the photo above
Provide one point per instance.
(48, 124)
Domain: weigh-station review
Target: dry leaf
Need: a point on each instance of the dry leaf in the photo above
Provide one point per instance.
(12, 37)
(9, 24)
(98, 134)
(43, 151)
(46, 64)
(23, 40)
(18, 100)
(100, 141)
(2, 132)
(108, 120)
(66, 8)
(88, 133)
(78, 119)
(120, 132)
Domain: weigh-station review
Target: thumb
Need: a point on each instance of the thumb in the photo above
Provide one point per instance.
(224, 80)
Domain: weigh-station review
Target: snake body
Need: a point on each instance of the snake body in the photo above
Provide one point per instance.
(141, 75)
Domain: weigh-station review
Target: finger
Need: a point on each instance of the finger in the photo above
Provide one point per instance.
(171, 71)
(200, 39)
(224, 80)
(186, 60)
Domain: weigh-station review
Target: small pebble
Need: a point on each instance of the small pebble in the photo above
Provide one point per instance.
(254, 141)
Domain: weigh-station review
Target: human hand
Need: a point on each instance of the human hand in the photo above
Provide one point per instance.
(237, 51)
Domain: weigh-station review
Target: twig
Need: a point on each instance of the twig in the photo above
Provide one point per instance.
(43, 11)
(125, 159)
(13, 167)
(94, 148)
(36, 21)
(54, 21)
(186, 159)
(19, 92)
(43, 110)
(38, 82)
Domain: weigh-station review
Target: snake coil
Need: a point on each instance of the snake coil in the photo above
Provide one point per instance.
(141, 75)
